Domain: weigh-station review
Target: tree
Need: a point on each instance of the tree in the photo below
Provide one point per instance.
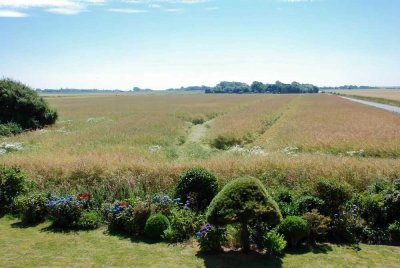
(240, 201)
(258, 87)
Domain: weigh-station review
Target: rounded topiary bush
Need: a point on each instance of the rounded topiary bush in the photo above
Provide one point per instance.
(240, 201)
(21, 105)
(156, 225)
(199, 186)
(294, 228)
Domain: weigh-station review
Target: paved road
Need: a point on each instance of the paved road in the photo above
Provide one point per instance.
(390, 108)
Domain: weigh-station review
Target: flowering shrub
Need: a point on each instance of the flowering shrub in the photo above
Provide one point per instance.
(119, 216)
(164, 202)
(123, 217)
(211, 238)
(66, 211)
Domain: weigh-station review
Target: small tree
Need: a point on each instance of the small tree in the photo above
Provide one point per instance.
(240, 201)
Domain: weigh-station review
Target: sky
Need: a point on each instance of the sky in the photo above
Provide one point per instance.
(159, 44)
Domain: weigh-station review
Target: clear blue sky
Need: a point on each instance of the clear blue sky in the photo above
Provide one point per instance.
(170, 43)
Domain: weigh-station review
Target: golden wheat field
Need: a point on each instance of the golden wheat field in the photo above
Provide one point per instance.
(148, 139)
(390, 94)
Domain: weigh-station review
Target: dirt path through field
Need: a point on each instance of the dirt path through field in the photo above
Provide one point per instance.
(198, 132)
(386, 107)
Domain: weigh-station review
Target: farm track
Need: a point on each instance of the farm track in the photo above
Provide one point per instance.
(386, 107)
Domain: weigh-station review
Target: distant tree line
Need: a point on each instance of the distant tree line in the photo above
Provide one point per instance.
(259, 87)
(191, 88)
(76, 91)
(348, 87)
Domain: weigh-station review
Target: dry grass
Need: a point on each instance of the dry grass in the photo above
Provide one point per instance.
(103, 141)
(247, 123)
(323, 123)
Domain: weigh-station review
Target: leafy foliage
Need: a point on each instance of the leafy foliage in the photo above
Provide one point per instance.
(198, 183)
(31, 208)
(21, 105)
(89, 220)
(275, 243)
(184, 224)
(294, 228)
(13, 182)
(333, 193)
(394, 230)
(9, 129)
(319, 224)
(156, 225)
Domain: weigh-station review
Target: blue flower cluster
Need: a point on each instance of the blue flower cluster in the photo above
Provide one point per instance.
(164, 200)
(203, 231)
(55, 201)
(119, 207)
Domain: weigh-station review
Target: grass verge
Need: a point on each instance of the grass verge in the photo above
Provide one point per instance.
(39, 246)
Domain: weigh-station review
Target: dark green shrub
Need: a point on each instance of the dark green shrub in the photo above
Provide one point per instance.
(346, 225)
(371, 209)
(156, 225)
(9, 129)
(394, 230)
(392, 206)
(319, 225)
(294, 228)
(307, 203)
(89, 220)
(211, 238)
(31, 208)
(13, 182)
(198, 121)
(275, 243)
(199, 185)
(240, 201)
(334, 194)
(21, 105)
(373, 235)
(184, 223)
(225, 142)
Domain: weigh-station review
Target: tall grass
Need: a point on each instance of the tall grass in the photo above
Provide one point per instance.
(104, 143)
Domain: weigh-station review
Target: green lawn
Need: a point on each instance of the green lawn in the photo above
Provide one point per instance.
(40, 247)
